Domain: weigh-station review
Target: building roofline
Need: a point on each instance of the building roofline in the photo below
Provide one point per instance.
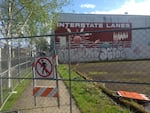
(105, 14)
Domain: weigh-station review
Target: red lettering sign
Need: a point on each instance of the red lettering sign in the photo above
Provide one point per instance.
(108, 32)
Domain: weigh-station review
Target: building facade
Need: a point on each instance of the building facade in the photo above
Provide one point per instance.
(94, 37)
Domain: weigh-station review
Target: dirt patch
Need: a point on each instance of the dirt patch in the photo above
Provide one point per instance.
(130, 71)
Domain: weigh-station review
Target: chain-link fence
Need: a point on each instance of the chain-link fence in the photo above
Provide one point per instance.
(117, 64)
(94, 73)
(12, 67)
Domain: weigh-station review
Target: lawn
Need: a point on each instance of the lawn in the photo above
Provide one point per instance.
(13, 98)
(89, 98)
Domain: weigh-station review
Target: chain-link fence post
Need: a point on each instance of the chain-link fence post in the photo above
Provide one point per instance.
(0, 81)
(1, 91)
(18, 59)
(70, 84)
(0, 60)
(26, 59)
(9, 64)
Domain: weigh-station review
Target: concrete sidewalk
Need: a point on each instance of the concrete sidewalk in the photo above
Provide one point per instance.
(26, 103)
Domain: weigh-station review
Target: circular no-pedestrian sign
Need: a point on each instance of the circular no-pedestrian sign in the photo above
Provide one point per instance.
(43, 67)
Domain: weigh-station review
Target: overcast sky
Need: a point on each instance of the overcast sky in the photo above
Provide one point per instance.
(133, 7)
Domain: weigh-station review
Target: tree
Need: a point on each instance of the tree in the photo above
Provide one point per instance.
(42, 45)
(27, 18)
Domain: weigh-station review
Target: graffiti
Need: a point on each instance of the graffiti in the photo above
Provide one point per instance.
(91, 54)
(112, 54)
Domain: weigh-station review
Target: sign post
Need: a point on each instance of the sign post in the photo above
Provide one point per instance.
(44, 68)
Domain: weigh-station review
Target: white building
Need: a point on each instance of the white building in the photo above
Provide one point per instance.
(103, 37)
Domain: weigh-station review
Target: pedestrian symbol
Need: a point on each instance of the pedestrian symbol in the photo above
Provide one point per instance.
(43, 67)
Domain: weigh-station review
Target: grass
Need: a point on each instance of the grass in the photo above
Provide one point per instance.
(5, 93)
(89, 98)
(93, 71)
(17, 95)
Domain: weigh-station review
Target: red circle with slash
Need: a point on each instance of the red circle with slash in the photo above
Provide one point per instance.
(43, 67)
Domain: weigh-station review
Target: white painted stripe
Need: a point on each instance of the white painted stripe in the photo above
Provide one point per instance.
(40, 91)
(53, 92)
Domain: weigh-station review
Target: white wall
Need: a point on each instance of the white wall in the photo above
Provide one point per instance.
(140, 44)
